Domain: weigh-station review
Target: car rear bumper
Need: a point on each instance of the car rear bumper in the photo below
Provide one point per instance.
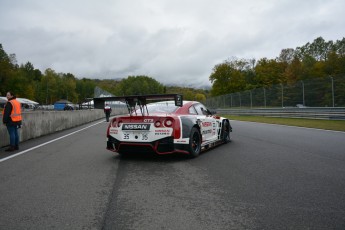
(161, 147)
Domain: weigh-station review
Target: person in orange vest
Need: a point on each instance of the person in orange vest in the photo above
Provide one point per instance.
(12, 118)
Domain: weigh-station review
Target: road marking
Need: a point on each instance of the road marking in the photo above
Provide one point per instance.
(48, 142)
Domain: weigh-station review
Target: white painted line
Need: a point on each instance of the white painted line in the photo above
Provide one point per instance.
(48, 142)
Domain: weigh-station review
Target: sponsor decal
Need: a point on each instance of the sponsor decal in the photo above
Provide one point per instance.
(136, 127)
(207, 131)
(113, 131)
(206, 124)
(162, 132)
(181, 141)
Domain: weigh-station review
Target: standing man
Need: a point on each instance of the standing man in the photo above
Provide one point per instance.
(107, 111)
(12, 118)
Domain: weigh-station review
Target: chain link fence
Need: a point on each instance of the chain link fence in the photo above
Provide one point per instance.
(319, 92)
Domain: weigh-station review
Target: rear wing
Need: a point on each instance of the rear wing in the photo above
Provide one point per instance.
(138, 100)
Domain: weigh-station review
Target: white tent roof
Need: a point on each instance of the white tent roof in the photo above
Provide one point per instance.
(108, 102)
(27, 101)
(21, 100)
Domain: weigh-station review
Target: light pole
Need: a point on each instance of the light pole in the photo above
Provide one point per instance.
(332, 81)
(265, 97)
(47, 93)
(303, 93)
(282, 95)
(240, 99)
(223, 101)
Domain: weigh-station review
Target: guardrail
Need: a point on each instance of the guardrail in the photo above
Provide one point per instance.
(337, 113)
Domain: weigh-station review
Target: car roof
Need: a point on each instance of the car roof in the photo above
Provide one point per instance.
(184, 109)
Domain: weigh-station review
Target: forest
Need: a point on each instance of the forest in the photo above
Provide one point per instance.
(318, 59)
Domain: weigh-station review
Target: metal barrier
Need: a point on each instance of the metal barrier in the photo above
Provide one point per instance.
(311, 113)
(318, 92)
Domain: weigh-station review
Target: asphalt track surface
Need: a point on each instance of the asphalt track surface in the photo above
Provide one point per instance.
(268, 177)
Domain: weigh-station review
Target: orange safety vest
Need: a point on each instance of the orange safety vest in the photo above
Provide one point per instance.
(16, 113)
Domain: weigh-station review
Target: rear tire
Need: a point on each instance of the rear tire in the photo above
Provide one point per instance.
(226, 129)
(194, 142)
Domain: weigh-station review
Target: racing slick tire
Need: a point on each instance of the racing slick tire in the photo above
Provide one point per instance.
(226, 129)
(194, 142)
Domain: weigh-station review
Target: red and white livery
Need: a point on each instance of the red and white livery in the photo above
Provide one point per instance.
(166, 125)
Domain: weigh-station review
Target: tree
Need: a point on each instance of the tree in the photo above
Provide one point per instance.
(200, 97)
(49, 87)
(339, 47)
(189, 94)
(108, 85)
(269, 72)
(85, 88)
(27, 78)
(229, 77)
(287, 56)
(293, 71)
(139, 85)
(319, 49)
(6, 71)
(68, 86)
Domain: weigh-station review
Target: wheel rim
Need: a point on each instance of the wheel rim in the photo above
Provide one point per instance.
(195, 142)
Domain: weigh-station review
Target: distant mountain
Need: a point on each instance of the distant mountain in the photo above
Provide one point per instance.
(193, 86)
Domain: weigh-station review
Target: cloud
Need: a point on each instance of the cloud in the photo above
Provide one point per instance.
(175, 42)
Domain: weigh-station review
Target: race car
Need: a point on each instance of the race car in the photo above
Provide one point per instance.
(164, 124)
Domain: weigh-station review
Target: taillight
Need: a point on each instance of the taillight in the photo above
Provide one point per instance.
(158, 124)
(116, 123)
(113, 122)
(168, 123)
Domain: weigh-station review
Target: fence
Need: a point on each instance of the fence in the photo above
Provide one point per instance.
(331, 113)
(319, 92)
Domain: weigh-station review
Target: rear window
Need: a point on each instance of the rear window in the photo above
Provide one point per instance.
(161, 107)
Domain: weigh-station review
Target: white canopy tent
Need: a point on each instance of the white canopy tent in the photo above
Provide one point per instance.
(26, 103)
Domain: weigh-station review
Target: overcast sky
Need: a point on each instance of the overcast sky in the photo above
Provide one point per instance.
(172, 41)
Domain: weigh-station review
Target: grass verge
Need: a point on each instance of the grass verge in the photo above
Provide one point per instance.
(336, 125)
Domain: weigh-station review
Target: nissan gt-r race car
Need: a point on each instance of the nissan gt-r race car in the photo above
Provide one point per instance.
(165, 125)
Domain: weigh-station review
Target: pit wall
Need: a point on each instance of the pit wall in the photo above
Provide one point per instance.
(40, 123)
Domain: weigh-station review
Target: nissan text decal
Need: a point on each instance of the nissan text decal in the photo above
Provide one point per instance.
(136, 127)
